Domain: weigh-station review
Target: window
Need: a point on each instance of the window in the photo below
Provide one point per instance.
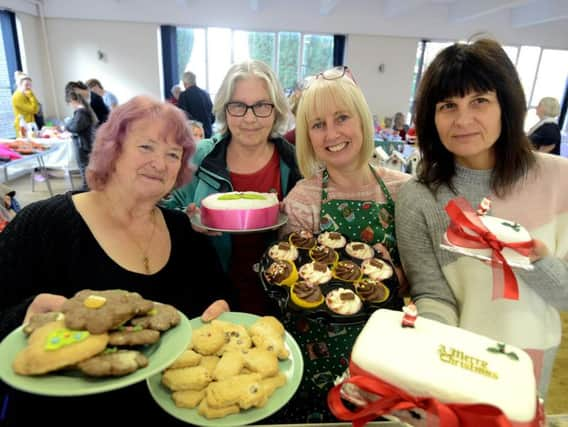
(209, 52)
(543, 72)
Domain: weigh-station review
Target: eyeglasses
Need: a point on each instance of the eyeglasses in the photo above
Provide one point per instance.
(334, 73)
(239, 109)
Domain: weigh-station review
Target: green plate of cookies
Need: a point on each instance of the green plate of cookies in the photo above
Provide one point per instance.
(73, 383)
(290, 367)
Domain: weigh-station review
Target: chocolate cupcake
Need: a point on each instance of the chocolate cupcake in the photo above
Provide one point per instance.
(281, 273)
(359, 251)
(377, 269)
(332, 239)
(343, 301)
(306, 295)
(324, 254)
(283, 251)
(302, 239)
(347, 271)
(372, 290)
(315, 272)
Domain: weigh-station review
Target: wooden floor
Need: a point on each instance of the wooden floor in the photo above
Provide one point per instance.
(556, 403)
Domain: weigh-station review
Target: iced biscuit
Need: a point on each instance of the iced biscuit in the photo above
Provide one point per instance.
(53, 346)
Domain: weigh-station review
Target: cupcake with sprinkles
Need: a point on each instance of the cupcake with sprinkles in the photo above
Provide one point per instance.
(372, 291)
(315, 272)
(347, 271)
(281, 273)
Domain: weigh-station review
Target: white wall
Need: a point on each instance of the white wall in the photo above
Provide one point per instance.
(132, 61)
(389, 91)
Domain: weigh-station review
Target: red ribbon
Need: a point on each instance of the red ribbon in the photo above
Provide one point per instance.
(394, 399)
(463, 217)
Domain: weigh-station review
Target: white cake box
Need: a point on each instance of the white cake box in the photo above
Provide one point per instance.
(446, 375)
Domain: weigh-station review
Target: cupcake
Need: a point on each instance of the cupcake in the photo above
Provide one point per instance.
(343, 301)
(283, 251)
(376, 269)
(347, 271)
(306, 295)
(281, 273)
(332, 239)
(372, 290)
(324, 254)
(359, 251)
(315, 272)
(303, 239)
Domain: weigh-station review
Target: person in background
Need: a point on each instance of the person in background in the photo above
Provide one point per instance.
(545, 135)
(82, 126)
(196, 103)
(113, 236)
(197, 130)
(10, 202)
(24, 103)
(399, 126)
(110, 100)
(334, 146)
(95, 101)
(176, 91)
(470, 110)
(247, 155)
(294, 101)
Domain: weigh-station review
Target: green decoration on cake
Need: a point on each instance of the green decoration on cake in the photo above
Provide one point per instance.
(64, 337)
(514, 226)
(246, 196)
(501, 349)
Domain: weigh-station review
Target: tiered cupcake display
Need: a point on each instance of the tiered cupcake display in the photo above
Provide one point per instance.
(325, 275)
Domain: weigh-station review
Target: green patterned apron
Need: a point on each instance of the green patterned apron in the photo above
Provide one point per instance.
(326, 347)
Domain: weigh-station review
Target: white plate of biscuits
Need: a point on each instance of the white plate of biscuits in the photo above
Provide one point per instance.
(238, 376)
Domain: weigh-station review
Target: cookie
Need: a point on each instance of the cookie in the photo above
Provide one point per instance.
(129, 336)
(187, 359)
(209, 363)
(113, 364)
(53, 346)
(270, 384)
(236, 336)
(188, 398)
(268, 334)
(40, 319)
(100, 311)
(208, 339)
(230, 364)
(205, 410)
(261, 361)
(161, 318)
(192, 378)
(243, 390)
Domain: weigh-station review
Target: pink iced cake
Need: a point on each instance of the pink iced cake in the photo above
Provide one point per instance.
(240, 210)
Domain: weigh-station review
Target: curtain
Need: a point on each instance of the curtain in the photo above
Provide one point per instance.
(338, 49)
(169, 57)
(11, 46)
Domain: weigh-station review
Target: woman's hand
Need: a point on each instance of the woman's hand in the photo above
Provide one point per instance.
(192, 210)
(402, 281)
(44, 303)
(215, 310)
(539, 251)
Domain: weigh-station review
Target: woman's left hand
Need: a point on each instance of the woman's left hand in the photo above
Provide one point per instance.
(215, 310)
(539, 251)
(402, 281)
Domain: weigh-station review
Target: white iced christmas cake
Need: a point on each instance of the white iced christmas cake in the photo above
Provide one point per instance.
(446, 363)
(240, 210)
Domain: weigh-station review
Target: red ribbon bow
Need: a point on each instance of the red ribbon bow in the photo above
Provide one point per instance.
(463, 216)
(394, 399)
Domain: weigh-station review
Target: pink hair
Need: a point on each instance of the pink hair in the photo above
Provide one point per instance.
(111, 135)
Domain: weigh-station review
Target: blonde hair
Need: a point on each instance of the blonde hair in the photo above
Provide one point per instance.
(20, 76)
(317, 101)
(246, 70)
(550, 106)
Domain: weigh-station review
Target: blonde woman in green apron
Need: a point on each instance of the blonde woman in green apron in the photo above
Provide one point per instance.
(341, 191)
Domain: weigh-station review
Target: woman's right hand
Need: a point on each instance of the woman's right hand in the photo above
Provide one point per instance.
(44, 303)
(192, 210)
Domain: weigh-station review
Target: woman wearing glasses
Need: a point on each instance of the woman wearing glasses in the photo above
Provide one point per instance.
(248, 154)
(334, 143)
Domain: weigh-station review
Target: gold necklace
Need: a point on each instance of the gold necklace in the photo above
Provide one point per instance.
(145, 257)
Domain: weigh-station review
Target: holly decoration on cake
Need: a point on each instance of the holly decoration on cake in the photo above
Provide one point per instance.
(500, 348)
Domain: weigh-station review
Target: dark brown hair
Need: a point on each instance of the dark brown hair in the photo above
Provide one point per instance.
(457, 70)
